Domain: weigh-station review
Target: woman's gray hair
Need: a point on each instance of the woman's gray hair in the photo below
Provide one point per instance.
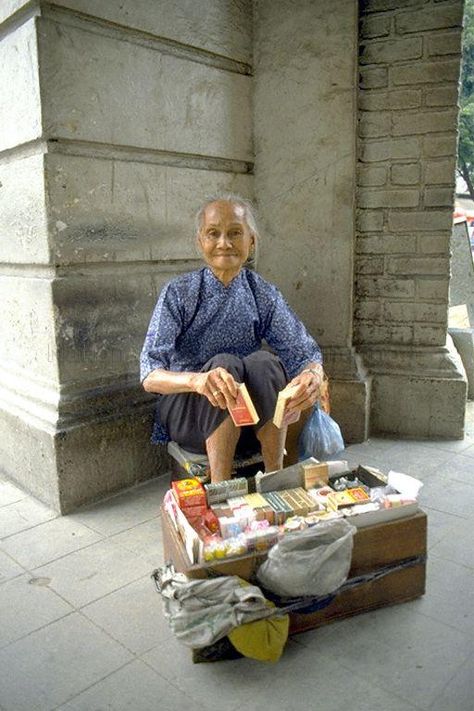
(246, 205)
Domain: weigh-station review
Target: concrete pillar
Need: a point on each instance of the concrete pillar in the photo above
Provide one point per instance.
(115, 119)
(305, 64)
(409, 61)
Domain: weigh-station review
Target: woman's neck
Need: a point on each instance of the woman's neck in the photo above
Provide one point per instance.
(225, 276)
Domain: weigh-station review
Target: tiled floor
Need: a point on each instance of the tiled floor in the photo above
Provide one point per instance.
(81, 626)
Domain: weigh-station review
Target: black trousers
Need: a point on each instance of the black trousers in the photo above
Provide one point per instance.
(190, 418)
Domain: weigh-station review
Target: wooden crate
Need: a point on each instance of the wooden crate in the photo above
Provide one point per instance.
(399, 546)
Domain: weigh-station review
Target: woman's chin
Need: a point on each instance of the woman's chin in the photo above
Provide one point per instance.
(226, 263)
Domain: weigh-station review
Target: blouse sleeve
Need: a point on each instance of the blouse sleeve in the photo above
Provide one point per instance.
(163, 331)
(288, 337)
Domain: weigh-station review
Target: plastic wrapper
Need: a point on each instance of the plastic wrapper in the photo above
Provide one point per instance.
(313, 562)
(321, 436)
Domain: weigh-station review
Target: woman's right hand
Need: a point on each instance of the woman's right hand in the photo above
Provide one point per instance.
(218, 386)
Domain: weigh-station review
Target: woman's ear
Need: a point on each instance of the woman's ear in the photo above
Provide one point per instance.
(198, 242)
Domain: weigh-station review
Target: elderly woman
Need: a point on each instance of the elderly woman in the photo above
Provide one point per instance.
(205, 337)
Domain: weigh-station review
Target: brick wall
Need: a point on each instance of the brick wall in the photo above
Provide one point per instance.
(409, 64)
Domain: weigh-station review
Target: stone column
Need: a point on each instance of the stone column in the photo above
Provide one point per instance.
(115, 119)
(409, 71)
(305, 153)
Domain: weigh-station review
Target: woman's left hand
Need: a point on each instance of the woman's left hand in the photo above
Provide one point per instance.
(309, 385)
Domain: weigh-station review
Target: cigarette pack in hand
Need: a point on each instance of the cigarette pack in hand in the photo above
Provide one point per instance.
(282, 418)
(244, 412)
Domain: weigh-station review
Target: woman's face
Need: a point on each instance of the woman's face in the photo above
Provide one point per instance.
(225, 239)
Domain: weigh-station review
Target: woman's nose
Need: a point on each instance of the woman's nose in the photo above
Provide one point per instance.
(224, 239)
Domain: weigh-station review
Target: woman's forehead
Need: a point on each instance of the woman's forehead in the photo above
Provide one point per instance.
(224, 210)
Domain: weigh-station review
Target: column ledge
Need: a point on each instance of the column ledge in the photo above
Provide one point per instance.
(422, 361)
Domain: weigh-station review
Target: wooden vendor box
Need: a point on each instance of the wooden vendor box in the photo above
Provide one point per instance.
(395, 549)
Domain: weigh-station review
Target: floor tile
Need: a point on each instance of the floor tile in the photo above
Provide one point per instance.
(55, 663)
(135, 687)
(9, 493)
(125, 510)
(458, 694)
(456, 446)
(457, 546)
(89, 574)
(23, 514)
(48, 541)
(145, 540)
(317, 681)
(407, 653)
(8, 567)
(356, 456)
(458, 468)
(444, 494)
(448, 599)
(415, 458)
(371, 447)
(440, 524)
(26, 604)
(132, 615)
(303, 679)
(469, 451)
(219, 685)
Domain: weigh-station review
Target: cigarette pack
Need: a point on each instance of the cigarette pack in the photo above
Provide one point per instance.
(193, 512)
(285, 507)
(279, 514)
(221, 510)
(320, 495)
(280, 418)
(319, 473)
(304, 499)
(220, 491)
(260, 505)
(349, 497)
(243, 413)
(315, 475)
(189, 493)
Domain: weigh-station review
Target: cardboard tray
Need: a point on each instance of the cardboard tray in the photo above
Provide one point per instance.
(375, 547)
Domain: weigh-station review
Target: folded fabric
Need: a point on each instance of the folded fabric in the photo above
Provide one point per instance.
(263, 639)
(202, 611)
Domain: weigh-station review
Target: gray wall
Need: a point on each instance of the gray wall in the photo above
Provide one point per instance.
(305, 64)
(112, 128)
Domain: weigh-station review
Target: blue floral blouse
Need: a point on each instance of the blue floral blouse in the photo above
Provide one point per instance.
(197, 317)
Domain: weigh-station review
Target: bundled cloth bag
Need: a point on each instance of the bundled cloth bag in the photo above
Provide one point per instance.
(314, 562)
(201, 612)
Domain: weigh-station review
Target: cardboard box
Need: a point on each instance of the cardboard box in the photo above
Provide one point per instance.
(396, 548)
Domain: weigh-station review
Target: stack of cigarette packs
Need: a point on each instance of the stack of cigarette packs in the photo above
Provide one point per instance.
(230, 521)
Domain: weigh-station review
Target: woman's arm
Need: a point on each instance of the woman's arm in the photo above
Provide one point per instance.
(217, 385)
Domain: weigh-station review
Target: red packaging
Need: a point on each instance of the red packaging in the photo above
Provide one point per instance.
(211, 521)
(189, 492)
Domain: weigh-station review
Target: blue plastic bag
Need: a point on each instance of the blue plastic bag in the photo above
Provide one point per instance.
(321, 436)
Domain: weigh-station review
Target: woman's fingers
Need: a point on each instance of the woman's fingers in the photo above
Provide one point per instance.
(221, 388)
(306, 394)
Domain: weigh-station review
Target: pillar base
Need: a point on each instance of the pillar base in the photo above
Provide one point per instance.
(82, 456)
(350, 388)
(417, 392)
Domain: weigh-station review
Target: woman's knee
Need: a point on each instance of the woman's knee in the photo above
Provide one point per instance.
(263, 364)
(232, 363)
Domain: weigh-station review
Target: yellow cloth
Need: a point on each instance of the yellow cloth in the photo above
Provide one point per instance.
(263, 639)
